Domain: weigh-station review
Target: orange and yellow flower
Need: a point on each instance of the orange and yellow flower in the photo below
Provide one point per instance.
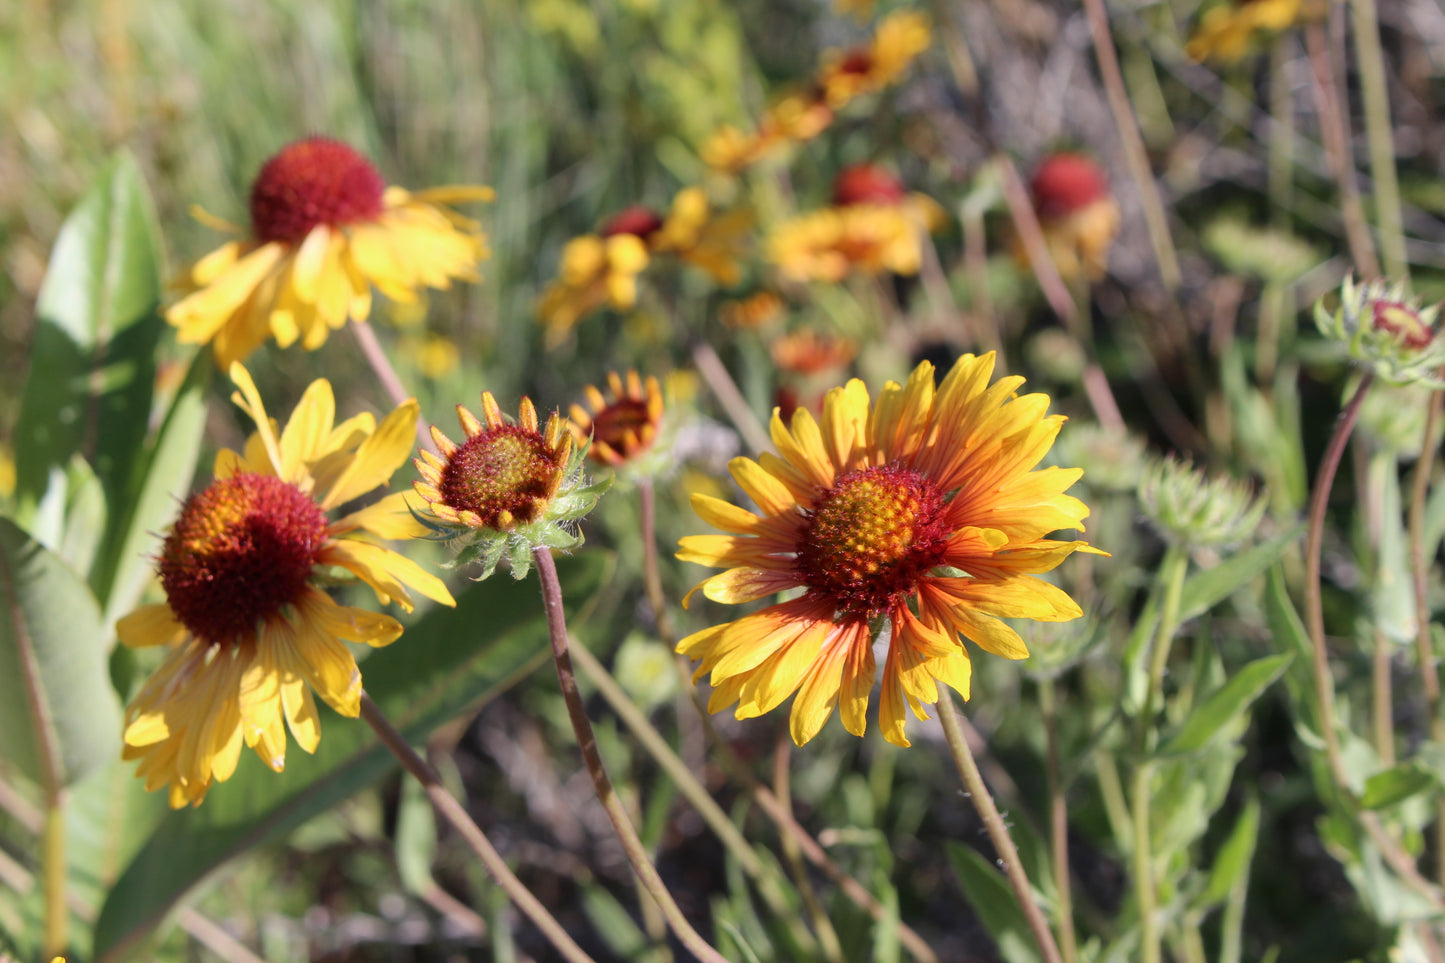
(1226, 31)
(1077, 213)
(808, 352)
(874, 226)
(693, 235)
(623, 428)
(924, 508)
(595, 271)
(325, 230)
(899, 39)
(251, 629)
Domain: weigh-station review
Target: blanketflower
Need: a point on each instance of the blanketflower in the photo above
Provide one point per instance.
(793, 118)
(924, 509)
(1077, 213)
(807, 351)
(899, 39)
(325, 230)
(1225, 31)
(621, 429)
(874, 226)
(694, 235)
(594, 271)
(251, 628)
(506, 490)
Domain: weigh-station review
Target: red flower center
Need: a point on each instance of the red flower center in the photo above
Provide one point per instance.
(313, 181)
(504, 469)
(1404, 323)
(871, 537)
(866, 184)
(637, 219)
(1066, 183)
(241, 550)
(626, 425)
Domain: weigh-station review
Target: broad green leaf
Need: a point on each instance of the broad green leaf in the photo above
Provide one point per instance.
(993, 903)
(448, 660)
(1231, 864)
(59, 716)
(92, 362)
(1208, 588)
(1226, 705)
(162, 479)
(1396, 784)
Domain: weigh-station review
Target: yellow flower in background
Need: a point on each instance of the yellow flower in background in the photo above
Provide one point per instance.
(594, 271)
(325, 230)
(623, 428)
(251, 629)
(7, 470)
(923, 508)
(694, 236)
(861, 70)
(874, 226)
(1225, 32)
(754, 311)
(792, 118)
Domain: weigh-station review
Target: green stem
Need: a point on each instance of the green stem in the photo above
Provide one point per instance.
(606, 794)
(998, 833)
(1429, 669)
(52, 861)
(829, 945)
(1380, 132)
(1172, 570)
(454, 813)
(1058, 824)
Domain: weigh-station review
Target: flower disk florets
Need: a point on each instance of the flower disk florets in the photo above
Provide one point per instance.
(1383, 328)
(871, 537)
(241, 550)
(506, 490)
(311, 182)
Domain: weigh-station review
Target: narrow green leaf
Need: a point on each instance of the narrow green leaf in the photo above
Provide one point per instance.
(59, 716)
(1396, 784)
(1208, 588)
(1225, 705)
(993, 902)
(1231, 864)
(416, 837)
(92, 361)
(162, 479)
(448, 660)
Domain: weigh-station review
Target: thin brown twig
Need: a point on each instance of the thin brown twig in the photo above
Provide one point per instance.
(626, 834)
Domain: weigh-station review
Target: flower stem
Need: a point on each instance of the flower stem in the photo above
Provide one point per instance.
(587, 742)
(1313, 598)
(1429, 670)
(998, 833)
(725, 389)
(1172, 570)
(1379, 132)
(381, 365)
(1058, 824)
(57, 914)
(454, 813)
(1136, 155)
(1400, 861)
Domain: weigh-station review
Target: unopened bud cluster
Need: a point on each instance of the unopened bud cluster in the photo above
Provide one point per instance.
(1384, 329)
(1190, 508)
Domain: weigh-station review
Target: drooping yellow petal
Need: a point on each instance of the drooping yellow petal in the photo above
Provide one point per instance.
(149, 625)
(381, 454)
(388, 574)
